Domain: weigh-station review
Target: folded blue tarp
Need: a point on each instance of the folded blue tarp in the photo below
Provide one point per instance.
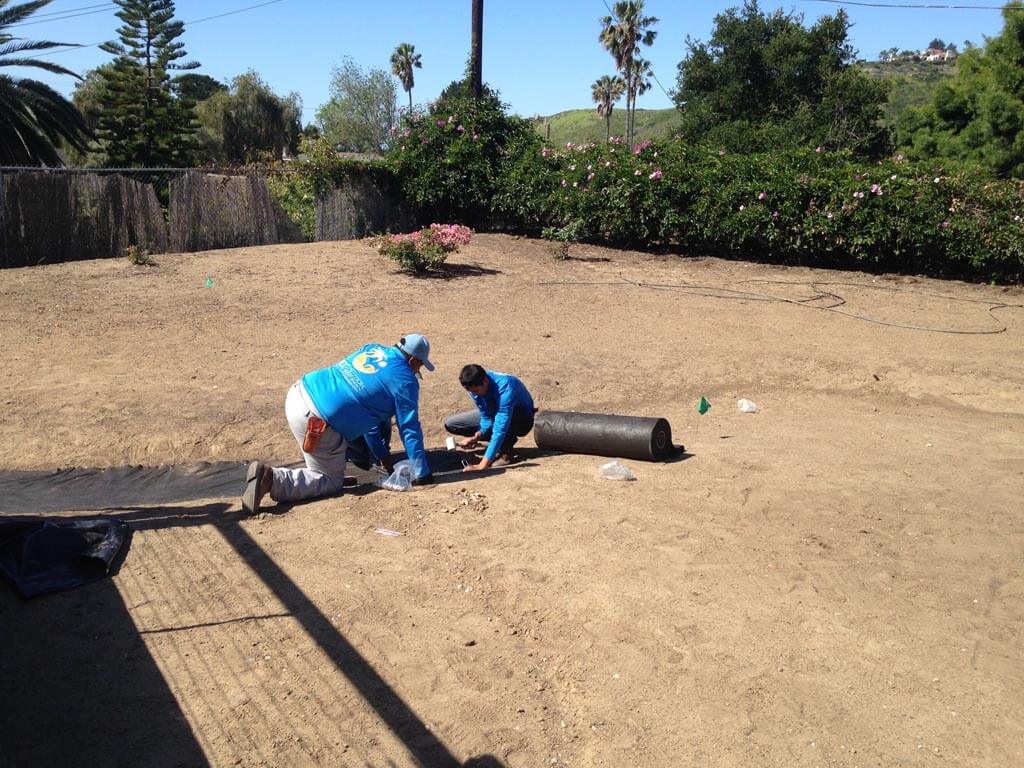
(44, 556)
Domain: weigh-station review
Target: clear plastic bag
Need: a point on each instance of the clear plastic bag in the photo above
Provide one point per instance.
(400, 479)
(747, 406)
(615, 470)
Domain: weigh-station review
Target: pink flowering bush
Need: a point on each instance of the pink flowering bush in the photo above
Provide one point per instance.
(425, 249)
(821, 208)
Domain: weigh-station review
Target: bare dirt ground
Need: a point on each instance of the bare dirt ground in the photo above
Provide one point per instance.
(834, 581)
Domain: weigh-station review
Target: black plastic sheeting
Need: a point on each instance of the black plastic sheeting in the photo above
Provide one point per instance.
(24, 492)
(625, 437)
(85, 488)
(45, 556)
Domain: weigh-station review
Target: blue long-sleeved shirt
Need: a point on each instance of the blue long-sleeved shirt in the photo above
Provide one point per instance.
(504, 394)
(365, 389)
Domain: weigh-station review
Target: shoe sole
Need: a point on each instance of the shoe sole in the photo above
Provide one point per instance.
(253, 478)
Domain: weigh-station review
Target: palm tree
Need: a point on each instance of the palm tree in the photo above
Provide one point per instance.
(622, 34)
(34, 118)
(639, 83)
(403, 61)
(606, 91)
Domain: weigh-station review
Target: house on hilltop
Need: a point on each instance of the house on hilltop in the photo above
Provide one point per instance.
(938, 54)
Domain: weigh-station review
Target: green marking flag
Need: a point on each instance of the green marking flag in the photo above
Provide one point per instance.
(703, 406)
(209, 282)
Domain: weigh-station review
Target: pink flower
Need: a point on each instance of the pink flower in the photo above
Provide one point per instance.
(721, 152)
(440, 123)
(636, 172)
(590, 167)
(893, 177)
(476, 136)
(565, 183)
(572, 167)
(819, 149)
(899, 157)
(742, 207)
(944, 225)
(590, 176)
(775, 214)
(543, 153)
(607, 163)
(761, 195)
(656, 175)
(451, 118)
(460, 129)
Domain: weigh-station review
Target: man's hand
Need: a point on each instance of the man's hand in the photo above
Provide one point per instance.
(482, 465)
(470, 442)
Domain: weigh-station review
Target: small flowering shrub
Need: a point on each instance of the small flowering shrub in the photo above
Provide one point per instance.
(426, 249)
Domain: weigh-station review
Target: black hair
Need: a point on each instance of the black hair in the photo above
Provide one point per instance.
(472, 375)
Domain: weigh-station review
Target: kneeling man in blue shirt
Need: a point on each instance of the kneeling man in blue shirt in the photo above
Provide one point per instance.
(329, 408)
(504, 413)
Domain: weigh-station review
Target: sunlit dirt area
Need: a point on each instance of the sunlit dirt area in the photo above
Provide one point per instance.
(834, 580)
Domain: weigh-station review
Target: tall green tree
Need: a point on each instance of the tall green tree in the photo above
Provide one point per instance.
(622, 34)
(248, 122)
(143, 122)
(196, 88)
(362, 112)
(765, 80)
(605, 91)
(34, 118)
(978, 115)
(403, 61)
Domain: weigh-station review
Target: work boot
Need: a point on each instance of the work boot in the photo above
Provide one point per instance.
(258, 480)
(504, 459)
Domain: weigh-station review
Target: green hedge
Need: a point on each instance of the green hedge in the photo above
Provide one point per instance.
(468, 163)
(804, 207)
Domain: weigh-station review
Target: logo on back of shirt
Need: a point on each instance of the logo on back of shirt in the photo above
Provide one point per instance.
(370, 361)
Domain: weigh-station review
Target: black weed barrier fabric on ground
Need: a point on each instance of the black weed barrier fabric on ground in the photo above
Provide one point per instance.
(44, 556)
(24, 492)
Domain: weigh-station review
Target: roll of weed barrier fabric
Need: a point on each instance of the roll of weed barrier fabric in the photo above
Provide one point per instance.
(597, 434)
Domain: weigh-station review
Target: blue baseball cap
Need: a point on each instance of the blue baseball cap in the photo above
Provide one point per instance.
(417, 346)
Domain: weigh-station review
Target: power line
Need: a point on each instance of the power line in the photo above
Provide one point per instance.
(922, 6)
(66, 10)
(103, 9)
(187, 24)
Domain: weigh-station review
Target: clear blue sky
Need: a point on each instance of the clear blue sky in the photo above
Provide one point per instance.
(542, 55)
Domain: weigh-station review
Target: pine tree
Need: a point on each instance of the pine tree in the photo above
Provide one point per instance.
(143, 122)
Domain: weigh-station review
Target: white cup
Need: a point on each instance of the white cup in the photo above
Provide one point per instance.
(450, 443)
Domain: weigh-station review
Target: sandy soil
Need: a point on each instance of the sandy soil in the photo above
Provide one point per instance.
(834, 581)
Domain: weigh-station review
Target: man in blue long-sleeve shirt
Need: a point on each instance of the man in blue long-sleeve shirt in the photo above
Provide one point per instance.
(504, 413)
(329, 408)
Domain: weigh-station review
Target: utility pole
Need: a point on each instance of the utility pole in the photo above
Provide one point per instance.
(476, 77)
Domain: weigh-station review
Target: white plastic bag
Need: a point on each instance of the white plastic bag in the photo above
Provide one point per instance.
(614, 470)
(747, 406)
(400, 479)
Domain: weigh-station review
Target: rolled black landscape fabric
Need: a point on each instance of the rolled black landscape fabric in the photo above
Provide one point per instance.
(597, 434)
